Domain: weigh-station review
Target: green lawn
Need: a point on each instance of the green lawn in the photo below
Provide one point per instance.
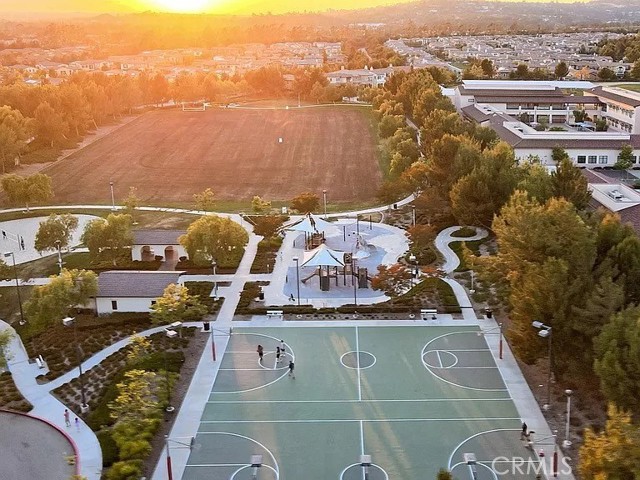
(634, 87)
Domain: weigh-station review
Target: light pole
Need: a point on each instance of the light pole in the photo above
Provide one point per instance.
(15, 273)
(297, 260)
(413, 215)
(567, 441)
(414, 267)
(472, 290)
(113, 198)
(170, 408)
(68, 322)
(355, 281)
(324, 197)
(190, 445)
(215, 282)
(57, 242)
(545, 332)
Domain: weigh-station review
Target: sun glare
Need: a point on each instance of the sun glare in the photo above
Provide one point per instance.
(183, 6)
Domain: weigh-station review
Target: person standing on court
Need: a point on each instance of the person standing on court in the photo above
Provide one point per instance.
(291, 367)
(67, 422)
(277, 355)
(260, 352)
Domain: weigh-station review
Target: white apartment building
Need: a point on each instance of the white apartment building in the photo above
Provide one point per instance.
(502, 105)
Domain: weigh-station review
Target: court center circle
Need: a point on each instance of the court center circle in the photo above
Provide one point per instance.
(355, 360)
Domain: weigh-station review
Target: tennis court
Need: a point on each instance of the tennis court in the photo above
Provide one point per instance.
(414, 398)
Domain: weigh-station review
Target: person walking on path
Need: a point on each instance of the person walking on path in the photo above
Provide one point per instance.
(277, 355)
(22, 243)
(260, 352)
(67, 422)
(77, 424)
(291, 367)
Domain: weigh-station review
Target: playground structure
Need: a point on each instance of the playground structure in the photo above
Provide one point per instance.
(333, 264)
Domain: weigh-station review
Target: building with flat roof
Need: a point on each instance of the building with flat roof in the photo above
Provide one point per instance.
(515, 108)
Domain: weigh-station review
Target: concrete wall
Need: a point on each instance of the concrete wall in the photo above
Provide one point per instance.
(124, 304)
(545, 156)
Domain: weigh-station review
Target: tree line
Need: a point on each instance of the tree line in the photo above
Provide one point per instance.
(558, 262)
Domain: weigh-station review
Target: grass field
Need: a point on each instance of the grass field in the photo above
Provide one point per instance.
(414, 398)
(170, 155)
(634, 87)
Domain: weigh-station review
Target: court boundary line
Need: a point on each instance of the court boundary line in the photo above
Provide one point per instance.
(259, 387)
(351, 400)
(354, 420)
(341, 477)
(358, 364)
(232, 434)
(453, 452)
(428, 367)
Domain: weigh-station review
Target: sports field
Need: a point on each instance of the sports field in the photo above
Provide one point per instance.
(414, 398)
(170, 155)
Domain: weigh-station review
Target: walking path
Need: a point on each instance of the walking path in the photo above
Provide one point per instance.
(187, 419)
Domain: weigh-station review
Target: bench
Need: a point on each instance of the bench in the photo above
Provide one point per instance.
(275, 313)
(427, 313)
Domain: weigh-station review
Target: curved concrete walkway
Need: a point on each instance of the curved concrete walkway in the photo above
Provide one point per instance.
(451, 262)
(46, 406)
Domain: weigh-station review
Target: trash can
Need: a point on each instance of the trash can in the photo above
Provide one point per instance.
(206, 326)
(261, 295)
(395, 206)
(488, 312)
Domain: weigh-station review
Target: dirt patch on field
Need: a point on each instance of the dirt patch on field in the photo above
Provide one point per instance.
(169, 156)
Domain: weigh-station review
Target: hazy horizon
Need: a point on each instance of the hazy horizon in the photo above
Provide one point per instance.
(39, 8)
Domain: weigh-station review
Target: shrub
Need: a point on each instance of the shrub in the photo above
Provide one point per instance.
(108, 447)
(464, 232)
(126, 470)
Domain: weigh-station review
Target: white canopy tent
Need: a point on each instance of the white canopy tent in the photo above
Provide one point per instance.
(312, 224)
(323, 256)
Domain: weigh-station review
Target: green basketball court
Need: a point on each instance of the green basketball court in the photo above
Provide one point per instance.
(415, 398)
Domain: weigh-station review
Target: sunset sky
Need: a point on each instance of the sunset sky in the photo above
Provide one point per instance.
(193, 6)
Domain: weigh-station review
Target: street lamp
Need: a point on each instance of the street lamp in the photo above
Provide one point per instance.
(15, 273)
(113, 199)
(414, 268)
(324, 197)
(567, 441)
(170, 408)
(215, 282)
(355, 281)
(58, 243)
(297, 260)
(191, 445)
(413, 215)
(68, 322)
(545, 332)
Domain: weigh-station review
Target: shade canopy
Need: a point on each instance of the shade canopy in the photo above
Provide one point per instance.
(312, 224)
(323, 256)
